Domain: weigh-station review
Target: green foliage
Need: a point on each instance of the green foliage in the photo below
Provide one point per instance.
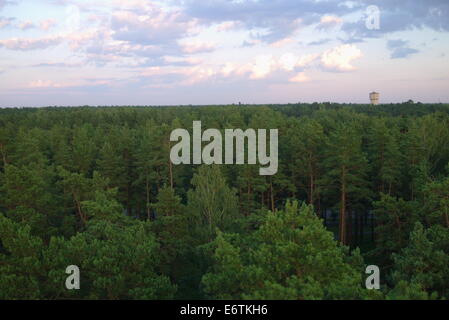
(423, 263)
(395, 220)
(385, 155)
(20, 261)
(211, 203)
(95, 187)
(291, 256)
(172, 233)
(118, 261)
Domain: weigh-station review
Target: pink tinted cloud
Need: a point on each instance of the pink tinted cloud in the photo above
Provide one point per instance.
(49, 84)
(25, 25)
(47, 24)
(300, 77)
(30, 44)
(340, 58)
(4, 22)
(283, 42)
(38, 84)
(155, 27)
(196, 46)
(229, 25)
(329, 22)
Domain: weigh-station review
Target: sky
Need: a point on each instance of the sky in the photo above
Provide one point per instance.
(181, 52)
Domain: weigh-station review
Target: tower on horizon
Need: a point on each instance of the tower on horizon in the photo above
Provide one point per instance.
(374, 97)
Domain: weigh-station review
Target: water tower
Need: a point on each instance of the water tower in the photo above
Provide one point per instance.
(374, 97)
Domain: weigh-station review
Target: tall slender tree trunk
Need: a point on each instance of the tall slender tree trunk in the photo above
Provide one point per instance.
(3, 155)
(362, 224)
(83, 218)
(171, 173)
(382, 183)
(349, 226)
(342, 222)
(147, 188)
(323, 214)
(170, 167)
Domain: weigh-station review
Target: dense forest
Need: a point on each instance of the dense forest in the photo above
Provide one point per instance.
(94, 187)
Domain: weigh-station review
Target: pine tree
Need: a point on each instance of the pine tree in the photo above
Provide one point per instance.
(307, 142)
(385, 156)
(20, 263)
(395, 219)
(424, 262)
(291, 256)
(211, 203)
(346, 168)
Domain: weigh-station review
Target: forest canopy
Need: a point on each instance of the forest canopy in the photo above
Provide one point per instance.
(94, 187)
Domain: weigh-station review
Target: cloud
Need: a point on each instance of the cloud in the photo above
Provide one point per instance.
(306, 60)
(83, 39)
(228, 68)
(228, 26)
(4, 22)
(138, 30)
(137, 5)
(400, 16)
(30, 44)
(329, 22)
(25, 25)
(44, 84)
(319, 42)
(44, 25)
(262, 66)
(165, 77)
(47, 24)
(157, 27)
(351, 40)
(403, 53)
(282, 42)
(341, 57)
(279, 19)
(197, 74)
(3, 3)
(400, 49)
(86, 83)
(251, 43)
(195, 46)
(134, 33)
(300, 77)
(288, 61)
(57, 65)
(282, 18)
(393, 44)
